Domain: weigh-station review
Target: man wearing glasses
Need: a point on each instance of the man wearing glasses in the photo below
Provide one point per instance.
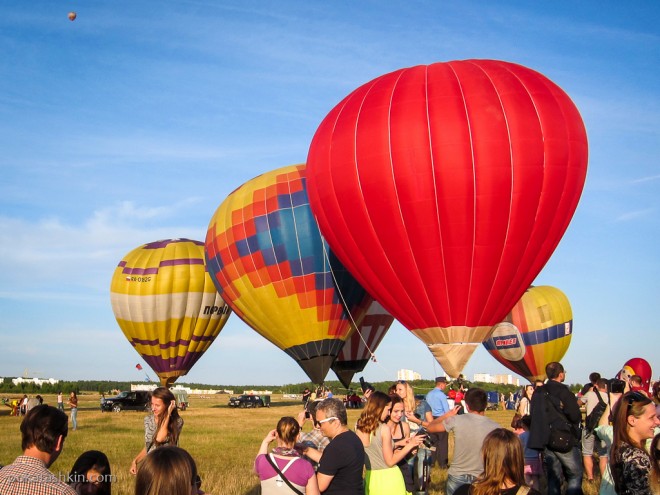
(555, 404)
(341, 462)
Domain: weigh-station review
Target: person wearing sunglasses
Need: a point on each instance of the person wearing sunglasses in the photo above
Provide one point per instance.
(313, 438)
(634, 422)
(341, 463)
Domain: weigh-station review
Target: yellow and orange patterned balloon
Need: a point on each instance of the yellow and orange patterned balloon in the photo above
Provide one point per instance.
(167, 305)
(537, 331)
(268, 260)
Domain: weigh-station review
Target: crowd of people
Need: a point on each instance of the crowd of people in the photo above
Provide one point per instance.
(161, 467)
(548, 448)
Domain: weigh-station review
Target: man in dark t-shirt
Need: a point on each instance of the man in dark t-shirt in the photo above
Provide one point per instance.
(341, 463)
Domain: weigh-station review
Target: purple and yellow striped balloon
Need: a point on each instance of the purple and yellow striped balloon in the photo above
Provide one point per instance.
(167, 305)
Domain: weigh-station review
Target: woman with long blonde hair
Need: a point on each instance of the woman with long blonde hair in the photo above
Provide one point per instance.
(162, 427)
(503, 474)
(407, 394)
(383, 476)
(634, 421)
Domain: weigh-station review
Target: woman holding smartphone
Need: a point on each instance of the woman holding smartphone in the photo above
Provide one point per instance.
(383, 476)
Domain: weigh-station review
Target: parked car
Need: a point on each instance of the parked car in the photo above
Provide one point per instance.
(138, 401)
(246, 401)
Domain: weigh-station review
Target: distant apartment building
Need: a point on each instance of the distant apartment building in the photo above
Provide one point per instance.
(482, 377)
(178, 388)
(408, 375)
(507, 380)
(503, 379)
(36, 381)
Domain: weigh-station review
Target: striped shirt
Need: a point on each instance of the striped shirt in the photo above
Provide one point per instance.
(29, 476)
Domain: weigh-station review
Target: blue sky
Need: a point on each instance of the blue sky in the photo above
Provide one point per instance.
(133, 123)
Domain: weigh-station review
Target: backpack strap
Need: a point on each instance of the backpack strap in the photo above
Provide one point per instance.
(559, 414)
(272, 462)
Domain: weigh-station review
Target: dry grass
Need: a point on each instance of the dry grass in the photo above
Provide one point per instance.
(222, 440)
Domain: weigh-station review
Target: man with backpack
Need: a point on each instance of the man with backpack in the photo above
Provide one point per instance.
(555, 429)
(596, 403)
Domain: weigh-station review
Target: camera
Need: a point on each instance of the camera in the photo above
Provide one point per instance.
(617, 386)
(428, 441)
(308, 415)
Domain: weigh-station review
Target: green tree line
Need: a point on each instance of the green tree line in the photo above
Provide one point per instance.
(420, 387)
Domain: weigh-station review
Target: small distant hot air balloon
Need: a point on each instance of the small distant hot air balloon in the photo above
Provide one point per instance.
(362, 344)
(167, 305)
(72, 16)
(445, 188)
(268, 260)
(536, 332)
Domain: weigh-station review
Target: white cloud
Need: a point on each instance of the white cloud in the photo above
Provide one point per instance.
(50, 251)
(634, 215)
(650, 178)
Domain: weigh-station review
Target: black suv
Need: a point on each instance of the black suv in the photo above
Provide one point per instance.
(139, 401)
(246, 401)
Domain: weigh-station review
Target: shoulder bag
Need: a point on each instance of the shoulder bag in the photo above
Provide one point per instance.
(561, 437)
(271, 460)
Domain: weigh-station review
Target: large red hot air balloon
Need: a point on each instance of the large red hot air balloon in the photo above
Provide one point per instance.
(445, 188)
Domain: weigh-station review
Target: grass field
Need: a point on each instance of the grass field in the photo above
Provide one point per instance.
(223, 441)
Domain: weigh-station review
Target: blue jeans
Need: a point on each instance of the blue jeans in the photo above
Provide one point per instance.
(453, 482)
(568, 466)
(74, 417)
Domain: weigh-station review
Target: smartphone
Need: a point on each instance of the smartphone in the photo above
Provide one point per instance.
(420, 431)
(308, 415)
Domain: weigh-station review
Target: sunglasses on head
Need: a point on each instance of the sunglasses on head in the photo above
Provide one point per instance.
(635, 397)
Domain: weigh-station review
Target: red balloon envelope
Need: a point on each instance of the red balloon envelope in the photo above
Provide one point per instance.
(445, 188)
(637, 366)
